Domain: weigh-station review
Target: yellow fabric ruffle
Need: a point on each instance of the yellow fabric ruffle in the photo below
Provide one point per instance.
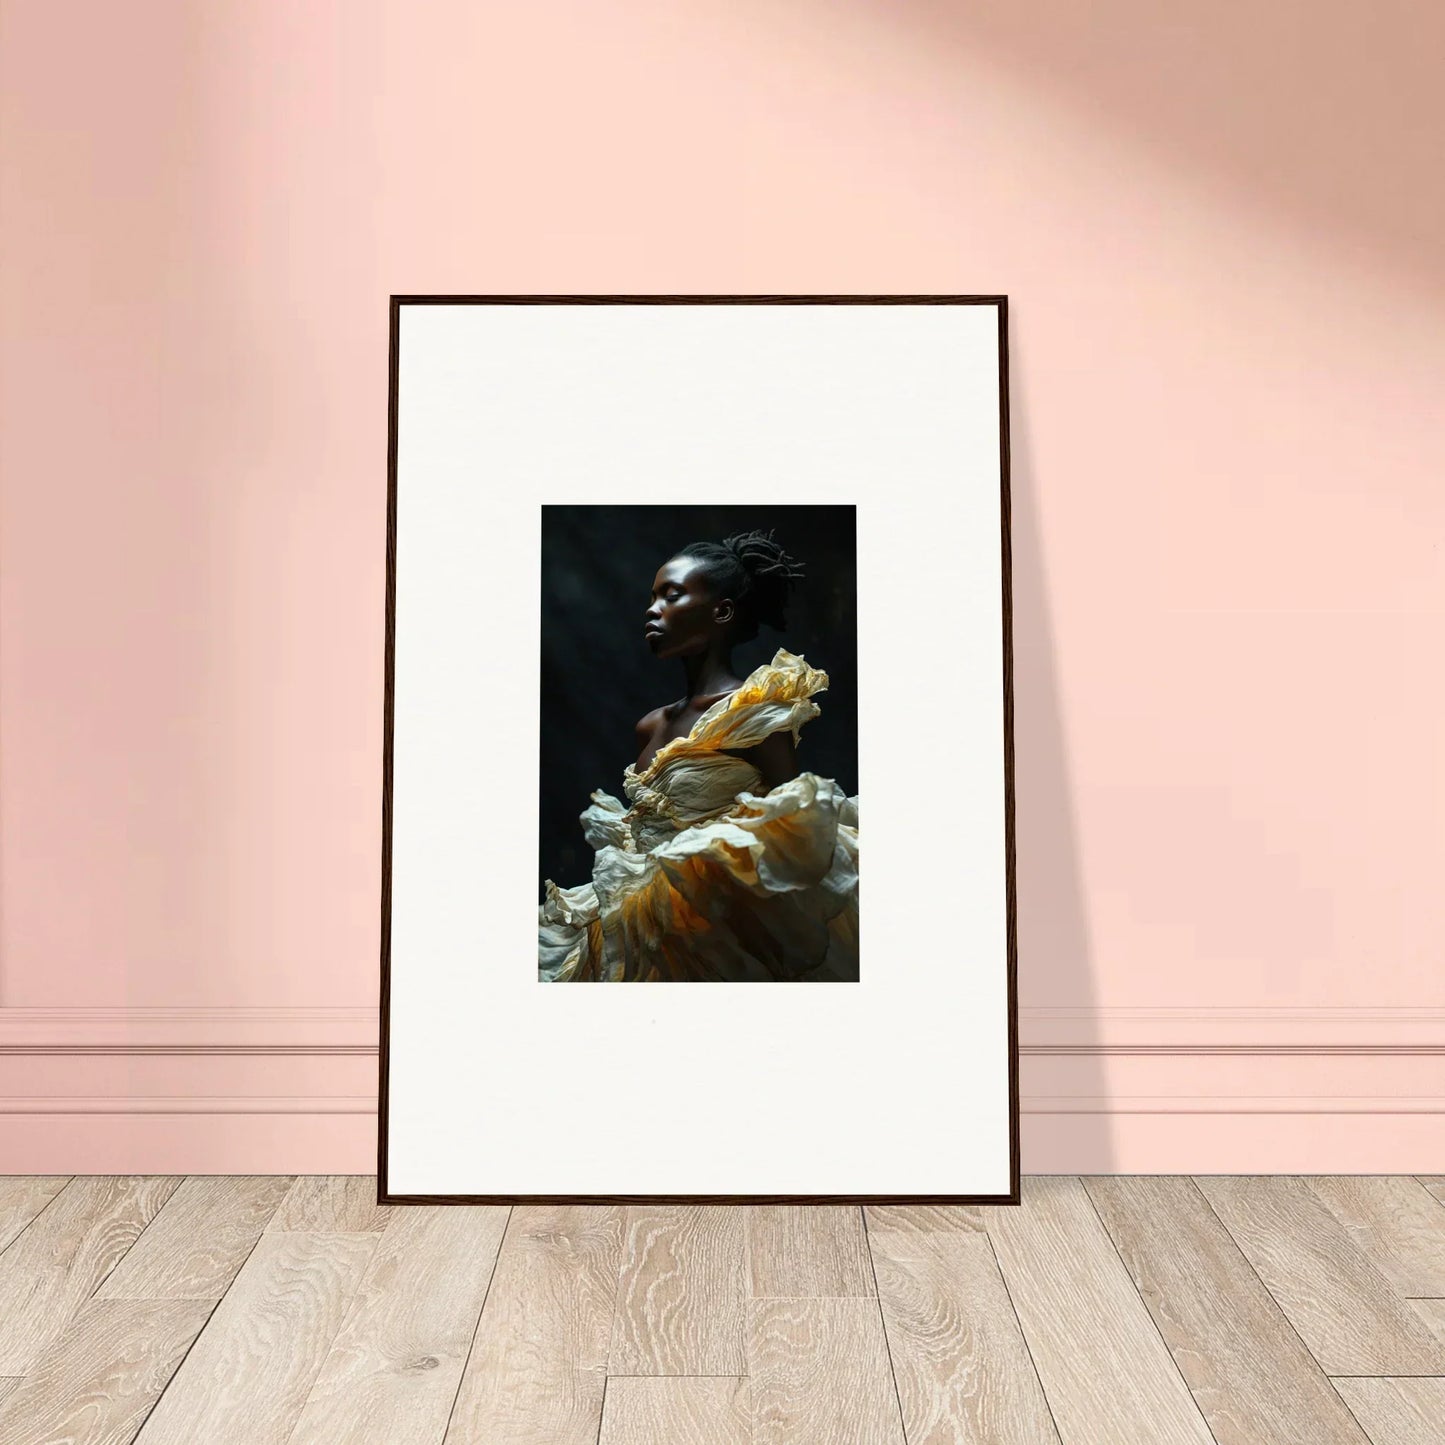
(703, 877)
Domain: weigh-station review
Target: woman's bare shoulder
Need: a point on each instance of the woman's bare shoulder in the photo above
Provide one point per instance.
(662, 716)
(647, 723)
(670, 711)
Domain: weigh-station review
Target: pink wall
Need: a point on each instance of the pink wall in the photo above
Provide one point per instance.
(1223, 233)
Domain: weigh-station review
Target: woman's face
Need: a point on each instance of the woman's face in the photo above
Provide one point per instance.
(683, 614)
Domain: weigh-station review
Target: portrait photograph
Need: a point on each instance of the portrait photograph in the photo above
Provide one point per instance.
(672, 584)
(702, 662)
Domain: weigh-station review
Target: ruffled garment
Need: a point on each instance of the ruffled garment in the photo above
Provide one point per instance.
(704, 876)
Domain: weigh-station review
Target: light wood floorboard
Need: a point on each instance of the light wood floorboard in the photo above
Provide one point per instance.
(1342, 1306)
(676, 1410)
(1248, 1370)
(1102, 1311)
(201, 1237)
(680, 1302)
(1397, 1412)
(331, 1204)
(1105, 1371)
(246, 1378)
(1432, 1311)
(99, 1380)
(1394, 1223)
(538, 1365)
(1435, 1184)
(819, 1372)
(393, 1370)
(962, 1366)
(22, 1197)
(800, 1251)
(55, 1265)
(926, 1218)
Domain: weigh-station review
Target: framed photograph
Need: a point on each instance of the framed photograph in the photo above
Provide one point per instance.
(676, 585)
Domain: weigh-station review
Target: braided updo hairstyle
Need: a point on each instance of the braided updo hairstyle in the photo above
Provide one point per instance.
(755, 571)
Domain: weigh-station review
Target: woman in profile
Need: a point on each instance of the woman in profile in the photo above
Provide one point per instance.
(731, 863)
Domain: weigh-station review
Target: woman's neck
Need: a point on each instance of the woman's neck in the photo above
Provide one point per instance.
(709, 672)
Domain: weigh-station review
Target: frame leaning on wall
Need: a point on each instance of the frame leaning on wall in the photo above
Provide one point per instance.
(396, 305)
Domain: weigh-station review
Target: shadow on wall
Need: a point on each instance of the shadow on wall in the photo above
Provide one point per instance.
(1323, 120)
(1056, 965)
(1328, 114)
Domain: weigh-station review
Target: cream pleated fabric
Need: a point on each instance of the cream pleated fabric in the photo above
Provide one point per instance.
(705, 878)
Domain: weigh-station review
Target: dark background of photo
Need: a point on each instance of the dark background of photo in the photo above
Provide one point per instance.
(599, 677)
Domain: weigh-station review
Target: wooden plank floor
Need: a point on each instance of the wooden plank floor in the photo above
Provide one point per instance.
(1219, 1310)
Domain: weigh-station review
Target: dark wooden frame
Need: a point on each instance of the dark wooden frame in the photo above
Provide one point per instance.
(384, 1196)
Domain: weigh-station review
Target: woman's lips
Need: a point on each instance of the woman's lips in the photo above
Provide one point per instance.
(652, 630)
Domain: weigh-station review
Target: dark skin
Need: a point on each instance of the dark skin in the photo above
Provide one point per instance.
(687, 620)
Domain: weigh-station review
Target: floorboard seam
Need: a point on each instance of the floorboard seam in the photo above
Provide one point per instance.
(486, 1295)
(1023, 1333)
(601, 1409)
(1133, 1284)
(170, 1379)
(24, 1227)
(1269, 1294)
(882, 1320)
